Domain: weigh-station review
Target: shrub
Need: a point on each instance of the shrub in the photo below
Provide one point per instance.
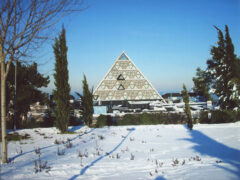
(128, 119)
(29, 124)
(152, 119)
(143, 119)
(204, 117)
(220, 116)
(101, 121)
(74, 121)
(147, 119)
(15, 137)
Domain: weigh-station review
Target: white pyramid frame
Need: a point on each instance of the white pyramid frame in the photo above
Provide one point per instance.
(136, 86)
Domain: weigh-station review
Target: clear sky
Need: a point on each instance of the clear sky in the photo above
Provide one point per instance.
(166, 39)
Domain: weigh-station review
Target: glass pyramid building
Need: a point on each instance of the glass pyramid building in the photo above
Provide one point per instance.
(125, 82)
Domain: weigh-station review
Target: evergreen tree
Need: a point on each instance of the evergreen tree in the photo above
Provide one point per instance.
(29, 80)
(202, 84)
(222, 67)
(87, 102)
(187, 107)
(233, 69)
(61, 94)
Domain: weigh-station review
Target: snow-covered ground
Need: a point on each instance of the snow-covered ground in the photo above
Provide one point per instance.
(129, 152)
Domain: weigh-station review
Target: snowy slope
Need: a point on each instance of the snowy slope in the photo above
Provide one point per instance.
(130, 152)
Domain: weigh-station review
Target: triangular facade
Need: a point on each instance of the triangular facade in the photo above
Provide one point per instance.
(124, 81)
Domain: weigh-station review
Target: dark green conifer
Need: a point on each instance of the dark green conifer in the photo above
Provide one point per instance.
(87, 102)
(222, 66)
(62, 92)
(202, 83)
(187, 110)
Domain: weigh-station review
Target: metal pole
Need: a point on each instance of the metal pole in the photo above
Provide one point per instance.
(15, 99)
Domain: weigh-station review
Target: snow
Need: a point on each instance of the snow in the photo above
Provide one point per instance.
(209, 151)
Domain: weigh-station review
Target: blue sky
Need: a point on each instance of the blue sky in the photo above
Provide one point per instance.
(166, 39)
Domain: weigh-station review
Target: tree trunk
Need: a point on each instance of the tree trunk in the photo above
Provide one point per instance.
(3, 112)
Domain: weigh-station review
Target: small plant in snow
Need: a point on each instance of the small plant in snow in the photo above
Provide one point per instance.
(19, 152)
(47, 137)
(68, 144)
(183, 162)
(175, 162)
(100, 137)
(151, 150)
(81, 157)
(37, 151)
(197, 158)
(39, 166)
(118, 156)
(86, 153)
(60, 152)
(42, 134)
(80, 154)
(97, 148)
(57, 141)
(132, 157)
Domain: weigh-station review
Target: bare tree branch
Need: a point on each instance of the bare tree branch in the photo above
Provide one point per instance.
(24, 25)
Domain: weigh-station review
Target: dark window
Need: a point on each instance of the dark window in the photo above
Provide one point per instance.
(121, 87)
(95, 97)
(120, 77)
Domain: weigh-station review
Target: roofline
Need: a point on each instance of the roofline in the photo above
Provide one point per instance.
(108, 72)
(146, 79)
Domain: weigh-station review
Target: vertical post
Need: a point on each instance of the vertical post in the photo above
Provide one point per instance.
(15, 99)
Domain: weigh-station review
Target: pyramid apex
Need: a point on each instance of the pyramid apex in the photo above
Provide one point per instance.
(123, 56)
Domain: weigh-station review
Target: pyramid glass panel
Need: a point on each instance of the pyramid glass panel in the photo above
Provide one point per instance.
(123, 57)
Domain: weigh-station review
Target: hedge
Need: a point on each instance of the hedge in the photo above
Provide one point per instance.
(219, 116)
(143, 119)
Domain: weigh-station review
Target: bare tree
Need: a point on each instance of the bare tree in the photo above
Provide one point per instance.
(23, 26)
